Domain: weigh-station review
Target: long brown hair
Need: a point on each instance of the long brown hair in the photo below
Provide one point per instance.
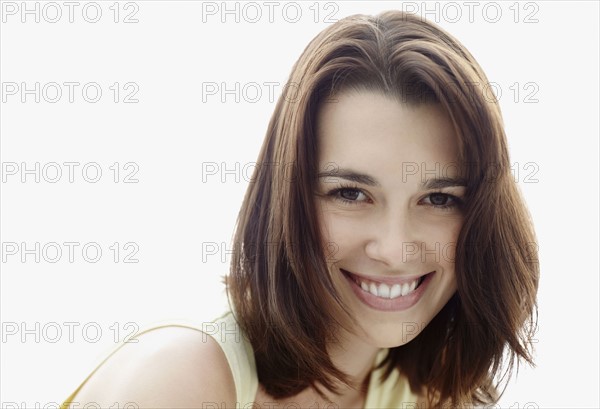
(279, 285)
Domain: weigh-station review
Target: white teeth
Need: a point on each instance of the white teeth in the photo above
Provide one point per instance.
(388, 291)
(384, 291)
(413, 285)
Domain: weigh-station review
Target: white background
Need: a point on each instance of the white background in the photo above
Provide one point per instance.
(175, 208)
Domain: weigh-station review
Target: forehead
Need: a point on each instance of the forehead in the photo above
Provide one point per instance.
(369, 129)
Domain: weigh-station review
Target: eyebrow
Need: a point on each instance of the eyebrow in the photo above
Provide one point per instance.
(440, 183)
(349, 175)
(433, 183)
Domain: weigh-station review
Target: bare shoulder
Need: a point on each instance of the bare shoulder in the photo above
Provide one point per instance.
(169, 367)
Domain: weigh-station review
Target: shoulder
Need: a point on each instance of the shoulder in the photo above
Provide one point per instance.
(169, 366)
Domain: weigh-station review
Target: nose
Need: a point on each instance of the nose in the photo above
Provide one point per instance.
(394, 240)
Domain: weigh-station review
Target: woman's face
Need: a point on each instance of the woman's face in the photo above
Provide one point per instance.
(389, 192)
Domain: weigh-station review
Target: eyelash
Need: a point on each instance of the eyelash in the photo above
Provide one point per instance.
(335, 194)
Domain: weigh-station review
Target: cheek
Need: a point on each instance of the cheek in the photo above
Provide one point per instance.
(447, 237)
(333, 242)
(443, 237)
(341, 236)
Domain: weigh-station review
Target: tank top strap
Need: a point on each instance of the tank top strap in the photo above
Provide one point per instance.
(240, 356)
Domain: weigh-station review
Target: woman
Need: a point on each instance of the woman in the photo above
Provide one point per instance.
(387, 261)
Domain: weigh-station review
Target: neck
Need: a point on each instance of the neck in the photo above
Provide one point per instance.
(353, 356)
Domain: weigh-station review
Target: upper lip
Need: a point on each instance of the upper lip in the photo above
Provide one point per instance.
(388, 279)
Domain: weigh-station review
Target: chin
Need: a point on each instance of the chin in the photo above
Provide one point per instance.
(391, 335)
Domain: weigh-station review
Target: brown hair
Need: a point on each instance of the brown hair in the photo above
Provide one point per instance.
(279, 286)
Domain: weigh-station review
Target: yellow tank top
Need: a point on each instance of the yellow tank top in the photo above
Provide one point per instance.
(393, 393)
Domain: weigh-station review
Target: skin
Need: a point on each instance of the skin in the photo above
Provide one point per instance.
(364, 132)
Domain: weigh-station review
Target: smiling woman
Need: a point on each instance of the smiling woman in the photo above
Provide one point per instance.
(444, 254)
(386, 268)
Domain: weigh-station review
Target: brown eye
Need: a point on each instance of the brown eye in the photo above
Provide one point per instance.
(443, 201)
(438, 199)
(350, 194)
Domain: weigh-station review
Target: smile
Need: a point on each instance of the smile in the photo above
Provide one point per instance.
(388, 294)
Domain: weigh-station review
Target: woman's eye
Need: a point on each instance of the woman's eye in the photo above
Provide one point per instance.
(348, 195)
(438, 199)
(443, 200)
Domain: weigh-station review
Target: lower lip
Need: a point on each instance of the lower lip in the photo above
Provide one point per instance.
(395, 304)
